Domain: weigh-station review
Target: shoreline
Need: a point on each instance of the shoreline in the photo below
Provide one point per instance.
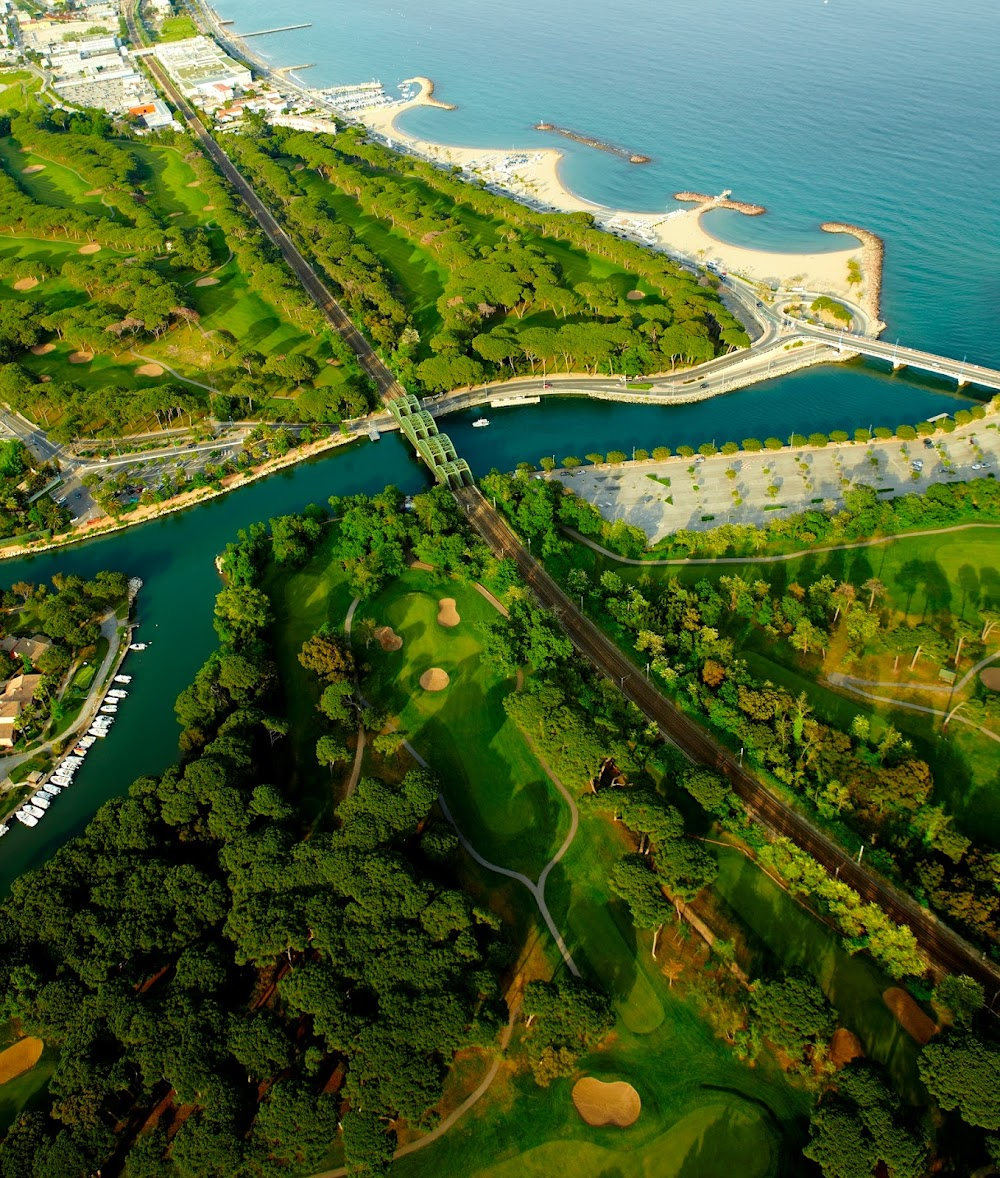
(533, 174)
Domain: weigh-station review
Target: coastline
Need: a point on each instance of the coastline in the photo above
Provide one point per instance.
(533, 174)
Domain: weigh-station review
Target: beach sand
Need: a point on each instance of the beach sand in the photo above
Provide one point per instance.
(535, 175)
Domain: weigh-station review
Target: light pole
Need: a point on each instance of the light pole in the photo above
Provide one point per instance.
(861, 852)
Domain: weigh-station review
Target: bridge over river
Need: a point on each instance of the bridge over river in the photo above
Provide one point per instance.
(959, 371)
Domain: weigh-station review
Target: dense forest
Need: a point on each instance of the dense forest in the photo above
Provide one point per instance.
(509, 302)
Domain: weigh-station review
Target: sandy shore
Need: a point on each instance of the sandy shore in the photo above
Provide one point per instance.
(533, 173)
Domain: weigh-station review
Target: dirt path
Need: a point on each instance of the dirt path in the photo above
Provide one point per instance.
(899, 703)
(717, 560)
(849, 681)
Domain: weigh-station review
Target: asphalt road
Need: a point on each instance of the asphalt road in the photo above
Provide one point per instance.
(945, 948)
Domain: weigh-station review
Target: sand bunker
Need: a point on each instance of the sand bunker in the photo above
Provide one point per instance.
(388, 638)
(172, 215)
(20, 1058)
(195, 184)
(42, 349)
(635, 295)
(447, 614)
(92, 248)
(149, 370)
(990, 677)
(209, 281)
(600, 1103)
(25, 283)
(845, 1046)
(31, 169)
(434, 680)
(208, 209)
(910, 1017)
(94, 192)
(45, 379)
(80, 357)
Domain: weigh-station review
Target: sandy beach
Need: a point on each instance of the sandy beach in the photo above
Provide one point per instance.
(534, 174)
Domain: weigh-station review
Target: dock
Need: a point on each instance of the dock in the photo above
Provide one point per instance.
(500, 402)
(267, 32)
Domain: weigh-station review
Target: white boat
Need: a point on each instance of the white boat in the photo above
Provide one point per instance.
(109, 709)
(85, 742)
(481, 423)
(101, 732)
(50, 788)
(137, 645)
(117, 693)
(41, 799)
(123, 678)
(26, 818)
(61, 782)
(4, 829)
(36, 812)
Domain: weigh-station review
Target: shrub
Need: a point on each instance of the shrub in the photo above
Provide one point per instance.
(547, 464)
(882, 432)
(798, 440)
(839, 436)
(862, 435)
(773, 444)
(925, 428)
(818, 439)
(978, 412)
(708, 449)
(730, 448)
(640, 455)
(685, 451)
(661, 453)
(595, 459)
(571, 462)
(947, 425)
(963, 417)
(906, 432)
(616, 457)
(752, 445)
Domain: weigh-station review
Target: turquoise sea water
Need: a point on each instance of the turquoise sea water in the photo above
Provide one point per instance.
(877, 112)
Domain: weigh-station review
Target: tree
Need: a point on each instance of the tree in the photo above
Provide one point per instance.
(328, 656)
(962, 1071)
(793, 1014)
(962, 997)
(330, 751)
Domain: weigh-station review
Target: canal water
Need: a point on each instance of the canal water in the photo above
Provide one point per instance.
(175, 556)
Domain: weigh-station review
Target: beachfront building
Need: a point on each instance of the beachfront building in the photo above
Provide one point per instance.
(202, 72)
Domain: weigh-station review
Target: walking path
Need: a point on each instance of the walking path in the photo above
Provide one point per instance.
(849, 681)
(173, 371)
(717, 560)
(898, 703)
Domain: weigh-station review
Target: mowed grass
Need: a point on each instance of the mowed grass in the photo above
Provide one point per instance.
(166, 178)
(18, 88)
(57, 186)
(497, 791)
(781, 928)
(25, 1091)
(177, 28)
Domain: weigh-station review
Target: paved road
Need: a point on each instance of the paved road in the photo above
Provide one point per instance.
(945, 948)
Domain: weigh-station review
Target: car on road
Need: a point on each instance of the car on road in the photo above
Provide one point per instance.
(918, 464)
(78, 495)
(704, 384)
(546, 384)
(978, 465)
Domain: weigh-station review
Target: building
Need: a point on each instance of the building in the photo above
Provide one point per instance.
(26, 648)
(202, 71)
(16, 693)
(155, 114)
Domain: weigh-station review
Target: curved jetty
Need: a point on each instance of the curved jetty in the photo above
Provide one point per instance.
(721, 202)
(623, 152)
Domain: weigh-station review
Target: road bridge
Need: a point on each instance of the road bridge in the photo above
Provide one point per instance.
(901, 357)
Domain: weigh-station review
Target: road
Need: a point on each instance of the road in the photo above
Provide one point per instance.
(945, 948)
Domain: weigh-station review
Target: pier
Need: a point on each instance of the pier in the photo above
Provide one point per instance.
(633, 157)
(291, 69)
(267, 32)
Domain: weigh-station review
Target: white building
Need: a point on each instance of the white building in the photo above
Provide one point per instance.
(202, 71)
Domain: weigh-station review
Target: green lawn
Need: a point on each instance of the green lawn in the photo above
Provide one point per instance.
(17, 85)
(166, 178)
(781, 927)
(57, 185)
(177, 28)
(498, 792)
(26, 1091)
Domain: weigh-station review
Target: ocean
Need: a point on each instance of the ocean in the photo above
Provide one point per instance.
(881, 113)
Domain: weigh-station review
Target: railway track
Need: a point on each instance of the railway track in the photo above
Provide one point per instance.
(946, 950)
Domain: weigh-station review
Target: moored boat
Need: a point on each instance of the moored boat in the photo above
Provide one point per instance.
(24, 817)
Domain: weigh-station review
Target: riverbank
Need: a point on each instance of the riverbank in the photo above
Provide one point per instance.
(106, 525)
(533, 175)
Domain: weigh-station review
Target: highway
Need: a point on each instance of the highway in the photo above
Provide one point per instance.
(943, 947)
